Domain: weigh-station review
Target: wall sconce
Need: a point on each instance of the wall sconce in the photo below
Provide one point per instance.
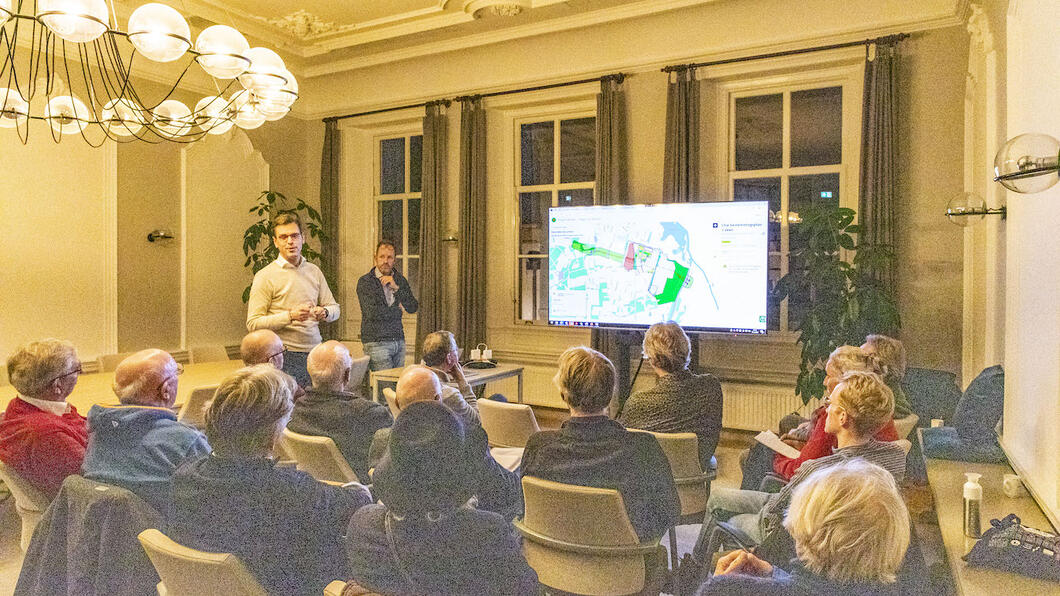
(1028, 163)
(968, 209)
(159, 235)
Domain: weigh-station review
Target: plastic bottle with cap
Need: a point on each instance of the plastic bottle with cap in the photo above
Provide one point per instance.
(973, 500)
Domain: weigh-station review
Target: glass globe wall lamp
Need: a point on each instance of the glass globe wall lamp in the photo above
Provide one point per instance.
(1027, 163)
(61, 61)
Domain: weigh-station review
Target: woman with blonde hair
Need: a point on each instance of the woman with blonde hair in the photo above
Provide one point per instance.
(851, 530)
(890, 353)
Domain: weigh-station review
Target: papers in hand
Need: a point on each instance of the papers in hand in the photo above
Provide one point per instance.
(771, 440)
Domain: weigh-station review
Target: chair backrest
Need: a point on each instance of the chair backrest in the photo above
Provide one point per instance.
(693, 483)
(507, 425)
(207, 354)
(905, 445)
(109, 362)
(193, 411)
(29, 502)
(905, 425)
(579, 539)
(319, 457)
(391, 400)
(358, 370)
(356, 348)
(189, 572)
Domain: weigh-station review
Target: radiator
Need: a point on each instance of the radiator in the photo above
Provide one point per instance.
(760, 407)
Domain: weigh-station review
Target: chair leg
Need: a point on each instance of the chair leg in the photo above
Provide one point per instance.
(674, 558)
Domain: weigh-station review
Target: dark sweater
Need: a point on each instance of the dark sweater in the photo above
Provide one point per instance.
(467, 552)
(282, 524)
(380, 322)
(599, 452)
(348, 419)
(801, 582)
(681, 402)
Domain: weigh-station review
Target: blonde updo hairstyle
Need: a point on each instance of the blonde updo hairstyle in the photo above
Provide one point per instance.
(667, 347)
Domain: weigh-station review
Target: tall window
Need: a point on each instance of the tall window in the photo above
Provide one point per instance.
(397, 199)
(786, 148)
(557, 168)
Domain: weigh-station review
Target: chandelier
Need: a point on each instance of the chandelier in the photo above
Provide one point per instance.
(66, 62)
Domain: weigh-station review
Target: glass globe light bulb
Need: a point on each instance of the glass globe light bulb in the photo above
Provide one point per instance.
(13, 109)
(211, 115)
(78, 21)
(248, 117)
(273, 114)
(265, 71)
(159, 32)
(5, 11)
(122, 117)
(284, 97)
(1028, 163)
(222, 51)
(967, 202)
(67, 115)
(172, 118)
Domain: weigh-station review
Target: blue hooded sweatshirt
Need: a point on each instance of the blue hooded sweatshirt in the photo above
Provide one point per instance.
(139, 448)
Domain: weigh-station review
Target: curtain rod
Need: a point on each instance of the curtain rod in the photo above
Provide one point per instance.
(887, 39)
(617, 77)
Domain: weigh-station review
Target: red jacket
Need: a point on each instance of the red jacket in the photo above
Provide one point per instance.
(821, 444)
(42, 447)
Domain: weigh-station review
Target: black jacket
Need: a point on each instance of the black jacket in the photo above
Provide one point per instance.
(380, 322)
(599, 452)
(347, 418)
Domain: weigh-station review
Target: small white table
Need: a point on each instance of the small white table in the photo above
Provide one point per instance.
(474, 376)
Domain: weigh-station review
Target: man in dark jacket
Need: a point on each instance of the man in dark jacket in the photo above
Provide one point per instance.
(382, 292)
(329, 410)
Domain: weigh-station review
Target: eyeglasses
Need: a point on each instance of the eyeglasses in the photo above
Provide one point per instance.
(280, 353)
(77, 371)
(176, 373)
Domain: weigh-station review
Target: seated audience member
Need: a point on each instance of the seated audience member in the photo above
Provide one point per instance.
(593, 450)
(329, 410)
(286, 527)
(139, 444)
(496, 489)
(427, 539)
(441, 355)
(42, 437)
(890, 353)
(820, 443)
(680, 401)
(858, 407)
(265, 347)
(851, 531)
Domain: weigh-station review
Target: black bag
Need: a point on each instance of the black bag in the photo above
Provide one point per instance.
(1010, 546)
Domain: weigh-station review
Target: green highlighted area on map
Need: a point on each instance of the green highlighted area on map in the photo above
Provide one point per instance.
(638, 257)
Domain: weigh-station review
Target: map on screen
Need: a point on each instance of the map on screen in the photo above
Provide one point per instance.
(703, 265)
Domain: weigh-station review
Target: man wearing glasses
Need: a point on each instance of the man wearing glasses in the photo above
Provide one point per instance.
(139, 444)
(43, 438)
(265, 347)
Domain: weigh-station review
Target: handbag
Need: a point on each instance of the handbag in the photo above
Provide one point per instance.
(1010, 546)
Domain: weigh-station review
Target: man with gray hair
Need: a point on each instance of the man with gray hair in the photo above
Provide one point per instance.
(43, 438)
(329, 409)
(441, 355)
(139, 444)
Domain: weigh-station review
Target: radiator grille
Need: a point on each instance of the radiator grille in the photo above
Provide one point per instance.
(760, 407)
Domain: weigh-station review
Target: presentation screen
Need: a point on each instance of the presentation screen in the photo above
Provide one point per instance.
(703, 265)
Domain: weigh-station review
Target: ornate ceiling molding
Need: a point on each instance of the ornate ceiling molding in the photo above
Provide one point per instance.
(301, 24)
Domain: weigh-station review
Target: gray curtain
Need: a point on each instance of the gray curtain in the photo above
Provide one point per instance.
(879, 141)
(471, 328)
(329, 212)
(429, 317)
(681, 153)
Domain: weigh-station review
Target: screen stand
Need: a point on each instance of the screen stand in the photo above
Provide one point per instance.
(624, 342)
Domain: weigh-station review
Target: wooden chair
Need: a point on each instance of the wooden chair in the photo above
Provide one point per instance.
(207, 354)
(391, 401)
(29, 502)
(905, 425)
(193, 411)
(350, 588)
(905, 444)
(319, 457)
(189, 572)
(358, 371)
(507, 425)
(109, 362)
(579, 539)
(693, 482)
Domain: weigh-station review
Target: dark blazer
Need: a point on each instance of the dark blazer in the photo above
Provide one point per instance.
(597, 451)
(347, 418)
(286, 527)
(466, 552)
(380, 322)
(801, 582)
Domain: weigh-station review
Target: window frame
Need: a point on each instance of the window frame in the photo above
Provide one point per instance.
(404, 257)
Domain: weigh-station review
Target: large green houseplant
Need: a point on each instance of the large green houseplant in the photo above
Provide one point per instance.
(840, 300)
(257, 239)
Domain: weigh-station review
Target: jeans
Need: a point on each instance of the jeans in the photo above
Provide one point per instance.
(742, 509)
(385, 354)
(294, 365)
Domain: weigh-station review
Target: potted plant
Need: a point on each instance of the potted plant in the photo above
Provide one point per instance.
(840, 301)
(257, 239)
